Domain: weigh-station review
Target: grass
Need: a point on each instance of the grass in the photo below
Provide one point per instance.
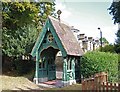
(17, 83)
(13, 82)
(71, 87)
(22, 83)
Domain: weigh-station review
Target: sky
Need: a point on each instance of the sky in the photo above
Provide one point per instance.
(88, 16)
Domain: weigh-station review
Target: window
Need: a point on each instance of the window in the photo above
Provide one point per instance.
(50, 37)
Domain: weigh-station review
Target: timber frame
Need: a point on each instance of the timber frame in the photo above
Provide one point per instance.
(50, 41)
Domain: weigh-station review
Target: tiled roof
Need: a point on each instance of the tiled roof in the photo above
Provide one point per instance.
(67, 38)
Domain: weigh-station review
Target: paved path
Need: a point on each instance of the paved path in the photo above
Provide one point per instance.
(52, 84)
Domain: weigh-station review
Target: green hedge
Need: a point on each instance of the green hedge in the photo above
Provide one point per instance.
(94, 62)
(108, 48)
(24, 66)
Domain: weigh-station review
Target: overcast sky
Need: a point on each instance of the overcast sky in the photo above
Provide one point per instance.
(88, 16)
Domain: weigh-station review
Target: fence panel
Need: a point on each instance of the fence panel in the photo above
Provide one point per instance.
(99, 83)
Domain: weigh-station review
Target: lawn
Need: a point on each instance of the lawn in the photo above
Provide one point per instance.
(15, 82)
(71, 87)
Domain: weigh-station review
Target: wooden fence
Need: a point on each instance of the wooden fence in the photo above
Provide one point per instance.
(110, 86)
(100, 83)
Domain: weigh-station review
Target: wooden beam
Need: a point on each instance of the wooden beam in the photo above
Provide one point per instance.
(64, 78)
(37, 67)
(73, 67)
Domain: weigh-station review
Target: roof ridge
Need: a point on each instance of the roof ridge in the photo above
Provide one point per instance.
(61, 21)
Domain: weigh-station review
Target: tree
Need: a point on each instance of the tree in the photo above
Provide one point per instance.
(115, 12)
(117, 45)
(19, 44)
(104, 40)
(108, 48)
(21, 24)
(16, 15)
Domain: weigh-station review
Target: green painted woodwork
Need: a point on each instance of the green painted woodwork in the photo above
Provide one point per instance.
(45, 50)
(37, 65)
(77, 69)
(58, 41)
(48, 25)
(64, 78)
(68, 74)
(47, 44)
(43, 44)
(73, 67)
(49, 70)
(39, 40)
(42, 73)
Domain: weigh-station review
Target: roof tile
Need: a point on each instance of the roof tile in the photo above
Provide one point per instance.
(67, 38)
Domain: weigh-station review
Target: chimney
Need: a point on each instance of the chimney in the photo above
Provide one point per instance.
(90, 39)
(82, 36)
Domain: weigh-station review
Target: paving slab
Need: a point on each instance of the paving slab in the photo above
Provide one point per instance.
(52, 84)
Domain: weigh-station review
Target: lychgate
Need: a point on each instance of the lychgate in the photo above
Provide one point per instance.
(57, 36)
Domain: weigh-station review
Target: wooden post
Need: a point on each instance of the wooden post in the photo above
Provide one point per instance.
(111, 87)
(107, 87)
(73, 68)
(93, 84)
(64, 78)
(37, 67)
(83, 85)
(115, 89)
(103, 87)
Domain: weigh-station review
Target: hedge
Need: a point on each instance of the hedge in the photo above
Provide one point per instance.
(24, 66)
(94, 62)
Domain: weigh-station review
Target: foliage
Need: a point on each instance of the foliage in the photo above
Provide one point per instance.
(46, 9)
(115, 11)
(22, 22)
(94, 62)
(117, 45)
(118, 37)
(104, 40)
(108, 48)
(117, 48)
(19, 14)
(16, 15)
(104, 43)
(24, 66)
(21, 43)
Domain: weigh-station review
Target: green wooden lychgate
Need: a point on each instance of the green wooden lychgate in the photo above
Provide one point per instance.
(57, 36)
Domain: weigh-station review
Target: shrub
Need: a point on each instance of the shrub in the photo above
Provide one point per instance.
(24, 66)
(117, 48)
(94, 62)
(108, 48)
